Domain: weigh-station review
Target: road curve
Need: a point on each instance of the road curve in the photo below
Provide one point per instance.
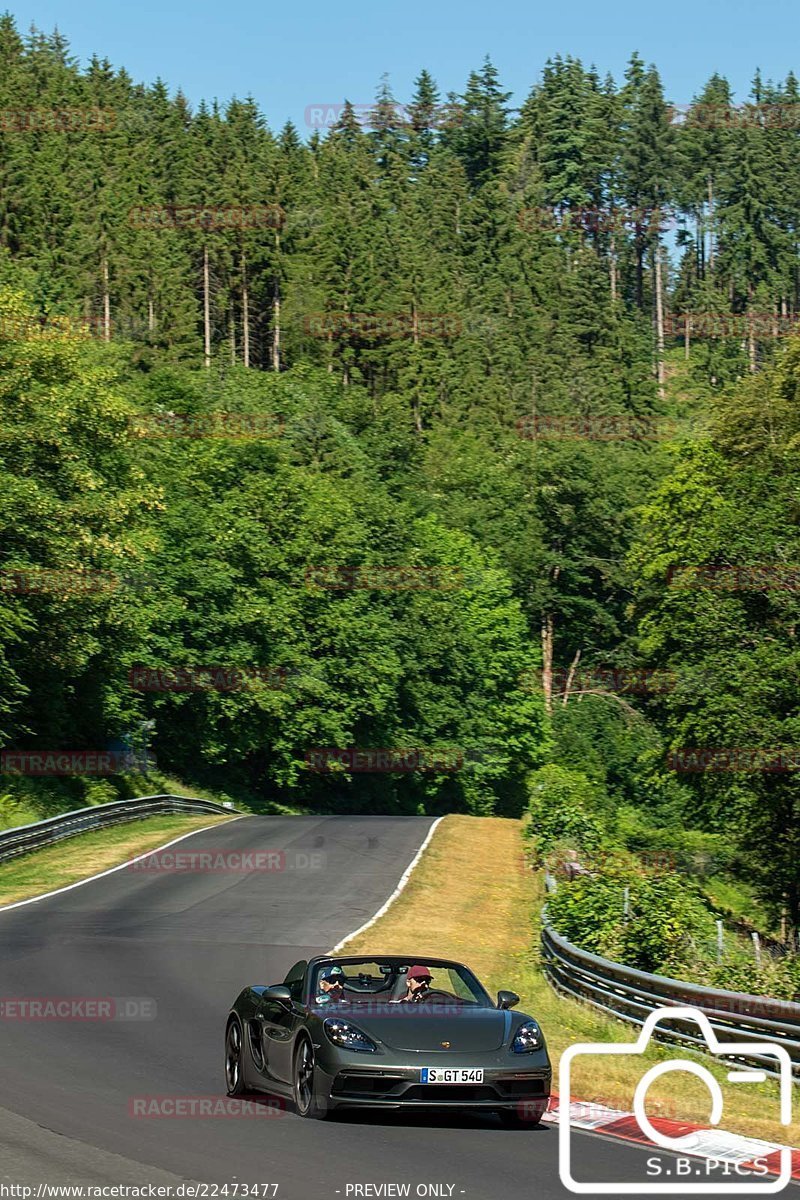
(187, 942)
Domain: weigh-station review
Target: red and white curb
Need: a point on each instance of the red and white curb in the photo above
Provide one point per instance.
(706, 1143)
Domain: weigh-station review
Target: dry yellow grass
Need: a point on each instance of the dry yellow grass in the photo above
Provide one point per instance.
(472, 898)
(89, 853)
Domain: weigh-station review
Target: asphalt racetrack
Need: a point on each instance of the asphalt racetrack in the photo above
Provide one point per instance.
(181, 945)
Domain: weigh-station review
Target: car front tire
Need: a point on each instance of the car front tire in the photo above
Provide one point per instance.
(234, 1058)
(306, 1101)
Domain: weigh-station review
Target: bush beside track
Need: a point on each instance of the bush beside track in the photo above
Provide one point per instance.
(636, 893)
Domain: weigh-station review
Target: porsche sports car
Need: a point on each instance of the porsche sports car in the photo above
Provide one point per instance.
(387, 1032)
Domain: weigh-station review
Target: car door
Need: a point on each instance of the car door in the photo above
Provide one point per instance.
(280, 1023)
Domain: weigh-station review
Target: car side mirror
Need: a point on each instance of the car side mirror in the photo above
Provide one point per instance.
(507, 999)
(279, 993)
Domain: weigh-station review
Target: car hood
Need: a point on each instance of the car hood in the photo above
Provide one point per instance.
(417, 1027)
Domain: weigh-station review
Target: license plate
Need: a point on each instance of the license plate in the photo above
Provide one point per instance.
(451, 1075)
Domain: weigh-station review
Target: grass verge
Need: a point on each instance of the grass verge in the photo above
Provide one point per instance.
(89, 853)
(473, 899)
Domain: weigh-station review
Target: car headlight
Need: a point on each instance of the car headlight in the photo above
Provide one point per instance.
(342, 1033)
(528, 1038)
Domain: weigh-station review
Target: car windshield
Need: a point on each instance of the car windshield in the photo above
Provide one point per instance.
(385, 981)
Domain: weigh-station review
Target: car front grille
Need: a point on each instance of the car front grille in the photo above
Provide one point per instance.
(402, 1089)
(454, 1093)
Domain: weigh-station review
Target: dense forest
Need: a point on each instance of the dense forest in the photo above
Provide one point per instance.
(414, 438)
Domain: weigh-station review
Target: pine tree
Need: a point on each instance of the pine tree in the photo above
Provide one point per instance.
(425, 119)
(479, 135)
(647, 159)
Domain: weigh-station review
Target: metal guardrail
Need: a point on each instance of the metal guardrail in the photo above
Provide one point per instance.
(24, 838)
(630, 994)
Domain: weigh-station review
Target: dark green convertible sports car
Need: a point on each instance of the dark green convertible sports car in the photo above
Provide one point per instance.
(387, 1032)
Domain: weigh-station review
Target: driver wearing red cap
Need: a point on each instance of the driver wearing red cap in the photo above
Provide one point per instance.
(418, 985)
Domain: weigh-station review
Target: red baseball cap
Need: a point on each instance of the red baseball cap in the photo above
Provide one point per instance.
(419, 972)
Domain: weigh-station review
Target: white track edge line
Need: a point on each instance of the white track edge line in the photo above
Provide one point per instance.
(404, 878)
(102, 874)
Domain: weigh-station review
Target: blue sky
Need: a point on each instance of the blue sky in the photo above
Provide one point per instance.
(293, 56)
